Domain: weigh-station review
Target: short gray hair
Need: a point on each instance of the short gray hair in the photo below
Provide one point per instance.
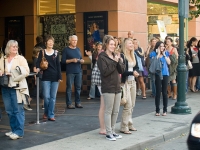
(73, 36)
(9, 44)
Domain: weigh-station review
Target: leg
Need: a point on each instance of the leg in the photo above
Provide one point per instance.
(158, 92)
(101, 113)
(198, 83)
(108, 101)
(77, 85)
(133, 99)
(53, 93)
(92, 91)
(126, 113)
(152, 78)
(194, 82)
(116, 105)
(14, 110)
(164, 93)
(46, 95)
(70, 81)
(142, 85)
(8, 106)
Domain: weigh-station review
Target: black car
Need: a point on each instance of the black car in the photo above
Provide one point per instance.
(193, 140)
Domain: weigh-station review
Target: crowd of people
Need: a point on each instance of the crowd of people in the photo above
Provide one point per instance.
(120, 69)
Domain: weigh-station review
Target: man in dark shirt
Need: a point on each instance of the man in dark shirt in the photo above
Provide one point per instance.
(71, 56)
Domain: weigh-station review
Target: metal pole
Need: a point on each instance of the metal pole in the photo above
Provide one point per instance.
(38, 103)
(181, 107)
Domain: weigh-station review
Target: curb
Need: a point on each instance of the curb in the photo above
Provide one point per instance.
(160, 139)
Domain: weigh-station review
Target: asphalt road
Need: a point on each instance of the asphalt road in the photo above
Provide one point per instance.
(178, 143)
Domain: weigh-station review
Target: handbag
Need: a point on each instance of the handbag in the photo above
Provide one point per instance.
(4, 79)
(96, 75)
(44, 63)
(145, 72)
(189, 65)
(123, 95)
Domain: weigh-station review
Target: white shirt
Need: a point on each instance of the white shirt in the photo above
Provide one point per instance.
(9, 65)
(130, 68)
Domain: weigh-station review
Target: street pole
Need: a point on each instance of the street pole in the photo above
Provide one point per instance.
(181, 107)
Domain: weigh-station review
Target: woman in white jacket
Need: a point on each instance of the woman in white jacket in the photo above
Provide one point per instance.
(12, 98)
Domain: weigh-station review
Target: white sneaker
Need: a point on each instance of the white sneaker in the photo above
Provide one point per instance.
(14, 136)
(139, 92)
(8, 133)
(117, 136)
(110, 137)
(27, 107)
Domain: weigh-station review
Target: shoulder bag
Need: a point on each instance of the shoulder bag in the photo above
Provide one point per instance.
(44, 63)
(4, 79)
(189, 65)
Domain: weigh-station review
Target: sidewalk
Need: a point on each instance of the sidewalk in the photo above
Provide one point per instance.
(151, 130)
(77, 129)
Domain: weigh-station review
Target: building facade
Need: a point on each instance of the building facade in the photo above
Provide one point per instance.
(25, 20)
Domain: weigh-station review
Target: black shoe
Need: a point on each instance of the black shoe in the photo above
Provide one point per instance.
(70, 106)
(79, 106)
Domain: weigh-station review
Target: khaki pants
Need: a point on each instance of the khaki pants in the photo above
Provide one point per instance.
(127, 122)
(112, 104)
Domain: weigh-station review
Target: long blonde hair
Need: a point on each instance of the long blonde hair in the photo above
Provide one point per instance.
(130, 57)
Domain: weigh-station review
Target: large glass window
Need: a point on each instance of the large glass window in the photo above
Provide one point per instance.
(47, 7)
(166, 13)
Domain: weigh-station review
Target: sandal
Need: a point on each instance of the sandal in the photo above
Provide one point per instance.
(157, 114)
(144, 97)
(132, 129)
(126, 132)
(164, 114)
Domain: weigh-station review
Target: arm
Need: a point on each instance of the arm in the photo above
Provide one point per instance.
(176, 53)
(23, 63)
(64, 59)
(120, 66)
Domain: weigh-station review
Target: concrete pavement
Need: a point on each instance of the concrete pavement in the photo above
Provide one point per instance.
(151, 130)
(78, 129)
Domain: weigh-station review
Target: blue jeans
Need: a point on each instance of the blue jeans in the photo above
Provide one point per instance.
(49, 94)
(198, 83)
(14, 110)
(153, 86)
(75, 78)
(92, 90)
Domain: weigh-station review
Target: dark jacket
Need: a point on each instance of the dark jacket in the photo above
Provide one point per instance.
(126, 72)
(110, 70)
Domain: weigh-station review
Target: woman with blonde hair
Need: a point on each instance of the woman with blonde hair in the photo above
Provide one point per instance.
(13, 96)
(128, 79)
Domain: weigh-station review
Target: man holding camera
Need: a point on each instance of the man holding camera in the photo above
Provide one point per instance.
(71, 56)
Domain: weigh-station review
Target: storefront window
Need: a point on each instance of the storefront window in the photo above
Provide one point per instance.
(167, 14)
(48, 7)
(66, 6)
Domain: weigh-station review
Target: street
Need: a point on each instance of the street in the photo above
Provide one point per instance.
(178, 143)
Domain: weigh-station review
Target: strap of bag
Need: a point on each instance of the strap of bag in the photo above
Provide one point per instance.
(43, 53)
(4, 65)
